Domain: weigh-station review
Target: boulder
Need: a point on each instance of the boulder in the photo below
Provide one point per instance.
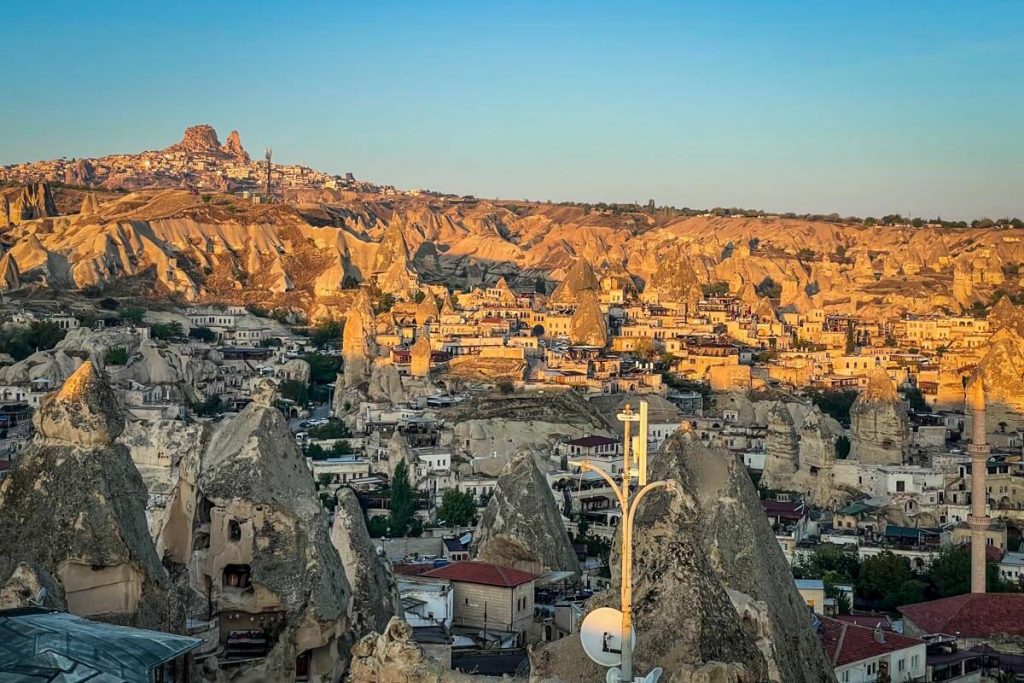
(392, 656)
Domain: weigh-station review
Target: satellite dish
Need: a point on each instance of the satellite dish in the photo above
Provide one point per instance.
(601, 636)
(653, 676)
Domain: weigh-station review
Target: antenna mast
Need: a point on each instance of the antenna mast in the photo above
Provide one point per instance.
(267, 154)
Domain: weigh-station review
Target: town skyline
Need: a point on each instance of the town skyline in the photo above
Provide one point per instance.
(857, 112)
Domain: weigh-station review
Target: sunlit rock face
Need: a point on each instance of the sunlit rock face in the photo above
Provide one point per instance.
(781, 448)
(713, 596)
(578, 279)
(879, 427)
(1002, 369)
(588, 326)
(73, 516)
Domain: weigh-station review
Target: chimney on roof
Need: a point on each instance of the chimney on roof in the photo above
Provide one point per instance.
(879, 634)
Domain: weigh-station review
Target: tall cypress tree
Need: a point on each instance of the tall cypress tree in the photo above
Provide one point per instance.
(401, 503)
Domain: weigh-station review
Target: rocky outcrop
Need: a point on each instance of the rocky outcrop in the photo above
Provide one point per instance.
(375, 598)
(394, 657)
(677, 282)
(781, 448)
(10, 274)
(522, 526)
(233, 147)
(84, 412)
(712, 591)
(1005, 314)
(265, 549)
(72, 515)
(818, 436)
(588, 326)
(90, 205)
(398, 452)
(200, 139)
(578, 279)
(357, 346)
(1002, 369)
(34, 201)
(879, 427)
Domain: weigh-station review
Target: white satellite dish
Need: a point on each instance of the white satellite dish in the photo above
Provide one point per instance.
(601, 635)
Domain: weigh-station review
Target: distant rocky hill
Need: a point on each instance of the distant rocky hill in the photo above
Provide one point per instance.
(310, 250)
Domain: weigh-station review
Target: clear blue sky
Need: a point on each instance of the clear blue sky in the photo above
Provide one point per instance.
(857, 107)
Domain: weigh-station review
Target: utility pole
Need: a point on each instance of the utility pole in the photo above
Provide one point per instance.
(629, 502)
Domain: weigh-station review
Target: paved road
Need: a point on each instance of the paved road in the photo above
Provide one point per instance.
(319, 411)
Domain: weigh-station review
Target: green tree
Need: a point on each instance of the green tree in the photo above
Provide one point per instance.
(882, 576)
(167, 330)
(457, 508)
(836, 403)
(203, 334)
(401, 517)
(22, 342)
(323, 369)
(419, 297)
(210, 407)
(950, 573)
(383, 303)
(916, 399)
(116, 356)
(714, 289)
(295, 391)
(377, 527)
(335, 429)
(133, 314)
(326, 335)
(769, 288)
(329, 501)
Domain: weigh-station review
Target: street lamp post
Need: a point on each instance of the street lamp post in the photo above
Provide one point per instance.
(629, 502)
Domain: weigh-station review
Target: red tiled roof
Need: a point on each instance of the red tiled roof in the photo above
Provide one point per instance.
(482, 573)
(792, 511)
(975, 615)
(847, 643)
(411, 569)
(868, 620)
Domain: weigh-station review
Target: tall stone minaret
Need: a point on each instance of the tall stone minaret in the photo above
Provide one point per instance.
(978, 520)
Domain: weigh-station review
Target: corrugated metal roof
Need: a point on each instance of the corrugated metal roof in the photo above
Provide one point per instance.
(41, 645)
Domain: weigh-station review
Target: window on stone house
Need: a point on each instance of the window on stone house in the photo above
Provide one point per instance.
(234, 530)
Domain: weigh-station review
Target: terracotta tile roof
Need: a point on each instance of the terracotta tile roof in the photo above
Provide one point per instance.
(975, 615)
(868, 620)
(847, 643)
(482, 573)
